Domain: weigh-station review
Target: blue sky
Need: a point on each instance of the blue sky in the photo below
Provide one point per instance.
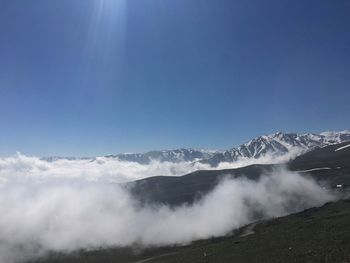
(92, 77)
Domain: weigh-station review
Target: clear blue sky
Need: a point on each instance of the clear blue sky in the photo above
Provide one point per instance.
(91, 77)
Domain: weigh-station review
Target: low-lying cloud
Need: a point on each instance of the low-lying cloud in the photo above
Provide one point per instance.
(40, 213)
(25, 168)
(103, 169)
(264, 159)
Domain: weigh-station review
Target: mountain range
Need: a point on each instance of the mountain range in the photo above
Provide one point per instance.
(272, 145)
(277, 144)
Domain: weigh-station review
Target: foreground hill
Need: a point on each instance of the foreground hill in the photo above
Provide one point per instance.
(176, 190)
(314, 235)
(330, 157)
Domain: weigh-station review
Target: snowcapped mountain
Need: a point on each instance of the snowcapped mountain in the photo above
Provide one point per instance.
(278, 144)
(177, 155)
(273, 145)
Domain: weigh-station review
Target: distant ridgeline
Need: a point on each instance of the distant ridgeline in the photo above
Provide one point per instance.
(273, 145)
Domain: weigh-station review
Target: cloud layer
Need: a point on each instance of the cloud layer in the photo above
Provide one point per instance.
(101, 169)
(25, 168)
(42, 212)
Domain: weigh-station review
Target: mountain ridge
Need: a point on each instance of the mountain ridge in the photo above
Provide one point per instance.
(274, 145)
(278, 144)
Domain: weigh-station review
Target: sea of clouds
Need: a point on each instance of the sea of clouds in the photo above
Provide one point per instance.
(103, 169)
(69, 205)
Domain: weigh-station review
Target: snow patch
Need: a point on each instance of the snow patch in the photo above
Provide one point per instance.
(342, 148)
(314, 169)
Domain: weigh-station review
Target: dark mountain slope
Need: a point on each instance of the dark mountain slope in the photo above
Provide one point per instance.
(186, 189)
(330, 164)
(314, 235)
(332, 156)
(335, 169)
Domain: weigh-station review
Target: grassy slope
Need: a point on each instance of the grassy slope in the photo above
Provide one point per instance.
(315, 235)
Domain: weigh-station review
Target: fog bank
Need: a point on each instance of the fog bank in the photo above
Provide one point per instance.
(59, 215)
(24, 168)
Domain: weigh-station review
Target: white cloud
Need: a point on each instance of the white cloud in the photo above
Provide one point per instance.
(39, 212)
(264, 159)
(26, 168)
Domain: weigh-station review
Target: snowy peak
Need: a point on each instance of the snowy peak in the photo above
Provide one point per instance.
(177, 155)
(279, 144)
(263, 145)
(336, 137)
(272, 145)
